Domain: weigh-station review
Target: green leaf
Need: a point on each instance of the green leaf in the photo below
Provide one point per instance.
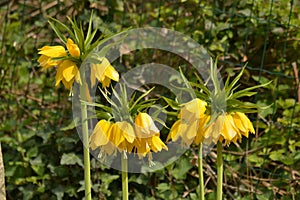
(235, 80)
(89, 37)
(58, 33)
(162, 187)
(174, 105)
(63, 39)
(246, 92)
(70, 159)
(140, 98)
(70, 126)
(181, 169)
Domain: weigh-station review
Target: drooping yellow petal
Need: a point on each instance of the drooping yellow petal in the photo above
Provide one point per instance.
(157, 144)
(247, 123)
(111, 73)
(126, 130)
(59, 74)
(192, 130)
(193, 110)
(46, 62)
(142, 146)
(213, 131)
(174, 134)
(229, 131)
(78, 78)
(67, 72)
(104, 72)
(109, 148)
(100, 134)
(239, 123)
(53, 51)
(106, 82)
(201, 129)
(70, 72)
(116, 136)
(145, 125)
(73, 48)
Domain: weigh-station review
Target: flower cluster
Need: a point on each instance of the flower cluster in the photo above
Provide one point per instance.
(216, 115)
(67, 70)
(141, 138)
(197, 126)
(211, 116)
(68, 60)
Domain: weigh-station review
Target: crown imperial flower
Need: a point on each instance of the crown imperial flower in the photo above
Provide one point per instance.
(73, 48)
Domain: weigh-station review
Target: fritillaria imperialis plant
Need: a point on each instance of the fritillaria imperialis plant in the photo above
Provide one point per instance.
(215, 116)
(67, 62)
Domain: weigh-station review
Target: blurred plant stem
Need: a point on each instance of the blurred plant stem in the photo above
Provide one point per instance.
(200, 171)
(219, 171)
(124, 178)
(2, 177)
(85, 138)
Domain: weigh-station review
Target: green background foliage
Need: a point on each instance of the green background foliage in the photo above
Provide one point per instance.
(42, 150)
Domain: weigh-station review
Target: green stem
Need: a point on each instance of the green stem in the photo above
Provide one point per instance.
(219, 171)
(124, 177)
(200, 171)
(85, 138)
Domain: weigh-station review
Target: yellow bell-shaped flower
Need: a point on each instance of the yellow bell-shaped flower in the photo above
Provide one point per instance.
(73, 48)
(67, 72)
(47, 55)
(104, 72)
(147, 135)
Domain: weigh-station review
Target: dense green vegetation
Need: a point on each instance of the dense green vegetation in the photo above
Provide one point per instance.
(42, 151)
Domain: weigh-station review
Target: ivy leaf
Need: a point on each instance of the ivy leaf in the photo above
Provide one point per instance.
(70, 159)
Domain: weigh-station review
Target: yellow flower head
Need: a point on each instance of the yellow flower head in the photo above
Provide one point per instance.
(187, 126)
(104, 72)
(47, 55)
(147, 136)
(67, 72)
(112, 136)
(186, 131)
(229, 127)
(73, 49)
(193, 110)
(100, 134)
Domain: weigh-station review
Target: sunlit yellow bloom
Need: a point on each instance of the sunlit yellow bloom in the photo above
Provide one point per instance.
(187, 126)
(104, 72)
(174, 131)
(100, 135)
(186, 131)
(147, 136)
(73, 48)
(111, 137)
(229, 127)
(121, 132)
(49, 52)
(193, 110)
(142, 139)
(67, 72)
(201, 129)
